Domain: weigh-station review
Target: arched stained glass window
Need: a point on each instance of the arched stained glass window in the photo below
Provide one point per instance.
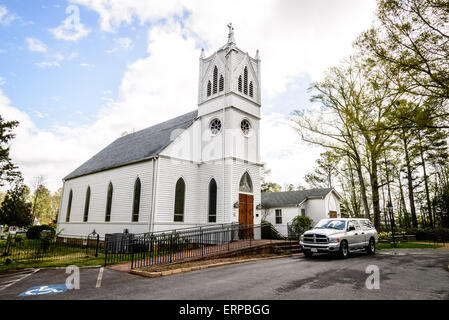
(246, 185)
(180, 194)
(109, 203)
(240, 84)
(69, 206)
(86, 205)
(251, 89)
(136, 202)
(212, 201)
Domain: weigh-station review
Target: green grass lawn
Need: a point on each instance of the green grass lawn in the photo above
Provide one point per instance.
(407, 245)
(79, 262)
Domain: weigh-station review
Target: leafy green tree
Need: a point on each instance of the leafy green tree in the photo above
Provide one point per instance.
(42, 206)
(270, 187)
(8, 171)
(411, 38)
(267, 186)
(289, 187)
(325, 172)
(16, 209)
(55, 200)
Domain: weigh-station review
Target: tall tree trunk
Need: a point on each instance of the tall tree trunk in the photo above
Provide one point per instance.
(426, 184)
(354, 203)
(383, 209)
(358, 166)
(406, 216)
(375, 191)
(410, 182)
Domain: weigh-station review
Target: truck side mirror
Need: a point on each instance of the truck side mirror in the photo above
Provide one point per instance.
(351, 228)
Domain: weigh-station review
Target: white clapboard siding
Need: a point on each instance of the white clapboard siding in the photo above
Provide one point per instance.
(123, 179)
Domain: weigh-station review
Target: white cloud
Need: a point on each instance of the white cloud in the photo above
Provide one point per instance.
(38, 151)
(2, 81)
(6, 17)
(55, 60)
(86, 65)
(71, 29)
(125, 44)
(36, 45)
(283, 152)
(118, 12)
(47, 64)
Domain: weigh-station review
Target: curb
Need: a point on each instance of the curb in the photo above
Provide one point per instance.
(195, 268)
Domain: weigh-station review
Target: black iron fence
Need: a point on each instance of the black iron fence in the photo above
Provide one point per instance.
(64, 247)
(144, 250)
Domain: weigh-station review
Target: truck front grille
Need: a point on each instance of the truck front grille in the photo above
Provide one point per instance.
(315, 238)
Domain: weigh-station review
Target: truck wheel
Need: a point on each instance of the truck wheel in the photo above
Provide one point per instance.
(344, 250)
(371, 249)
(308, 253)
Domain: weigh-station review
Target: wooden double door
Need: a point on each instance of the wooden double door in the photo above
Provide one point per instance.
(246, 216)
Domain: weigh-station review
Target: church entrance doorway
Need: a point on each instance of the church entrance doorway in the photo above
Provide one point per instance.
(246, 207)
(246, 215)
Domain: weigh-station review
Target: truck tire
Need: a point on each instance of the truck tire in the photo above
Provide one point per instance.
(344, 249)
(371, 249)
(308, 253)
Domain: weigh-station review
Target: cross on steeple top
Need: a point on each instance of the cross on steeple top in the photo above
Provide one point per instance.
(231, 33)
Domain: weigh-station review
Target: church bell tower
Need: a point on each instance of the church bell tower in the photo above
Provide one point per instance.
(229, 88)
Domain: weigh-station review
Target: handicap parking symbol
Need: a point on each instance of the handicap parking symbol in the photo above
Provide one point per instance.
(41, 290)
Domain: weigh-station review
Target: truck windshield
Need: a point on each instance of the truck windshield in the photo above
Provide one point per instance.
(331, 224)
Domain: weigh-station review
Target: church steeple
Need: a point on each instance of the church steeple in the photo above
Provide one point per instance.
(229, 72)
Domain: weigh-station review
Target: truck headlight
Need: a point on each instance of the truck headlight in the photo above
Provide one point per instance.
(334, 240)
(301, 238)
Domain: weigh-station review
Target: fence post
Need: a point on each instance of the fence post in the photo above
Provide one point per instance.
(251, 235)
(132, 253)
(87, 246)
(202, 243)
(105, 250)
(228, 236)
(96, 249)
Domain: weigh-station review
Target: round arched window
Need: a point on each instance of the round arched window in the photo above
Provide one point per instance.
(245, 125)
(215, 126)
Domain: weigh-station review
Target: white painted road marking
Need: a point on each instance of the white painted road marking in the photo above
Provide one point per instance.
(100, 276)
(16, 277)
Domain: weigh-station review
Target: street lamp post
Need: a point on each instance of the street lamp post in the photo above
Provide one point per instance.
(390, 212)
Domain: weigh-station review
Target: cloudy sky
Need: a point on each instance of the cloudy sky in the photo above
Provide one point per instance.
(78, 73)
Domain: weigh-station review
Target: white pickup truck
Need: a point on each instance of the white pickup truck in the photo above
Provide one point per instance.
(340, 236)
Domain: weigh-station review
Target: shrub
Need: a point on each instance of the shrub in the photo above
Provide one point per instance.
(34, 232)
(301, 224)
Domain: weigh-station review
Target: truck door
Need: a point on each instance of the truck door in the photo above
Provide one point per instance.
(359, 235)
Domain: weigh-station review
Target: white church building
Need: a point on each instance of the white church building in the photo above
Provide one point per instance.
(200, 168)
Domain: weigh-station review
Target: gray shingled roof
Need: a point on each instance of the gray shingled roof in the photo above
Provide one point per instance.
(291, 198)
(136, 146)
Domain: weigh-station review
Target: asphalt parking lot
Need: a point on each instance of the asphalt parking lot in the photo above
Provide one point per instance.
(404, 274)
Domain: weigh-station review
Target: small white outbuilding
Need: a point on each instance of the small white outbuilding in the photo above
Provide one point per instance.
(280, 208)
